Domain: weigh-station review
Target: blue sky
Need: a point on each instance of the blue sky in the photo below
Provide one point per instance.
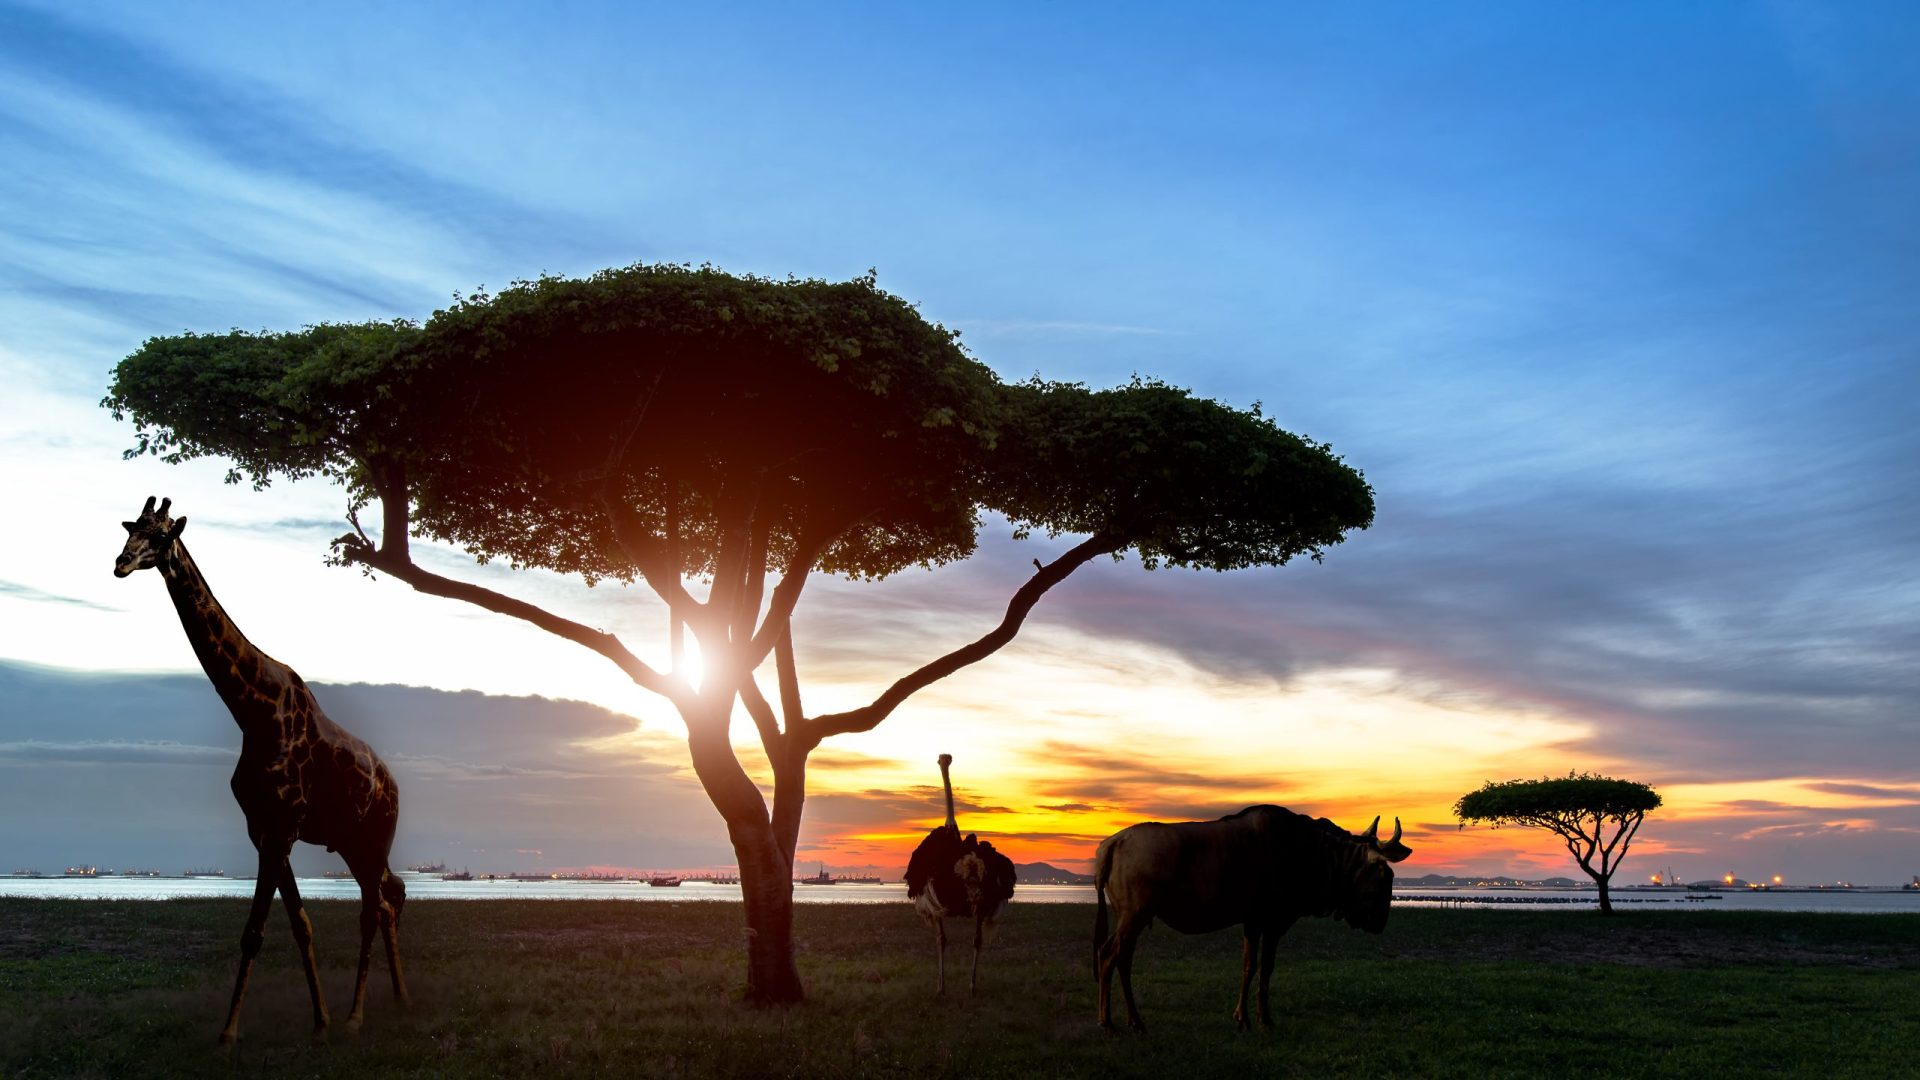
(1614, 308)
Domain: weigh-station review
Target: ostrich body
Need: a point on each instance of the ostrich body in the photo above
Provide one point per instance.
(951, 877)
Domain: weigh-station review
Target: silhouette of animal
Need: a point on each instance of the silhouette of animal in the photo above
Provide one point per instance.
(300, 777)
(1260, 869)
(951, 877)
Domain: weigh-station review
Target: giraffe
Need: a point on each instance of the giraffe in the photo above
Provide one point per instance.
(300, 777)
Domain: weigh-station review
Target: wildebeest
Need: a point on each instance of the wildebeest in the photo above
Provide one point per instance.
(1259, 869)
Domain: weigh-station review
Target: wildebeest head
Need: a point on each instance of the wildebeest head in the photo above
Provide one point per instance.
(1372, 885)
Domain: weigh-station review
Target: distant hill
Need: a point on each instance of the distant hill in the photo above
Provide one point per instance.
(1040, 873)
(1431, 880)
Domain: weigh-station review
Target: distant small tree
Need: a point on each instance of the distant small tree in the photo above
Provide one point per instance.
(1579, 808)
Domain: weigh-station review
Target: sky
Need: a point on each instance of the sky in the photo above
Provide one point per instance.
(1613, 308)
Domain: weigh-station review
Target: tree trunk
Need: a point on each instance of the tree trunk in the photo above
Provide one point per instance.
(766, 884)
(1606, 905)
(766, 875)
(789, 797)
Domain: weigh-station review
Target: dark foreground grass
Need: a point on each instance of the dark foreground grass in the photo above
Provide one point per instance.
(560, 988)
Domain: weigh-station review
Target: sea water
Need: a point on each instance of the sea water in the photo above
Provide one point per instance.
(426, 886)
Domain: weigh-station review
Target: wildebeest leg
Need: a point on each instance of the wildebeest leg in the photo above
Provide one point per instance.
(1106, 958)
(1127, 942)
(1248, 944)
(940, 936)
(273, 853)
(303, 941)
(1268, 944)
(1103, 975)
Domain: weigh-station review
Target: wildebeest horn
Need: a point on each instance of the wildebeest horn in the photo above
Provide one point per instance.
(1373, 830)
(147, 509)
(1396, 832)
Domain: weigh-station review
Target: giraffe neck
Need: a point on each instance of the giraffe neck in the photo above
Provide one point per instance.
(243, 676)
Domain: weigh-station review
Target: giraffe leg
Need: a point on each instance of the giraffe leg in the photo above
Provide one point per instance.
(393, 897)
(250, 938)
(369, 918)
(303, 941)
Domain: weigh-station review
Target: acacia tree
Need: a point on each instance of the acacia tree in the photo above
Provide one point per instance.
(717, 439)
(1578, 808)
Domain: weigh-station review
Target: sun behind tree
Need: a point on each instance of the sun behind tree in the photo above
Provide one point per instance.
(667, 424)
(1578, 808)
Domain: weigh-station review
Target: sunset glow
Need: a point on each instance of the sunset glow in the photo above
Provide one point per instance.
(1621, 346)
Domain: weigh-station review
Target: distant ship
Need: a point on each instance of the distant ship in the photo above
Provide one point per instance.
(824, 878)
(83, 871)
(23, 872)
(664, 881)
(139, 873)
(429, 868)
(1914, 884)
(336, 874)
(463, 875)
(205, 872)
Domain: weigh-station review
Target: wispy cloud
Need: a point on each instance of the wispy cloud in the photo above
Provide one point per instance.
(41, 596)
(112, 752)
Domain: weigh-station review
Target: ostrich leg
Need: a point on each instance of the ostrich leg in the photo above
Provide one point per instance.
(973, 979)
(940, 935)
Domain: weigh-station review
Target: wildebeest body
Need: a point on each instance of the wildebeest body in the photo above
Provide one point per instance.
(1260, 869)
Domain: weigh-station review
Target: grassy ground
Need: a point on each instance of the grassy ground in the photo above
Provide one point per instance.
(560, 988)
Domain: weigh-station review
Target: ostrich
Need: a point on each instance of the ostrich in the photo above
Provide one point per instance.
(951, 877)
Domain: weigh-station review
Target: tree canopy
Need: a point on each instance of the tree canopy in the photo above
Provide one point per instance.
(1577, 807)
(682, 427)
(845, 419)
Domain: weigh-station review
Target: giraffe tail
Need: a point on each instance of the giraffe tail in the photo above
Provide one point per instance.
(394, 892)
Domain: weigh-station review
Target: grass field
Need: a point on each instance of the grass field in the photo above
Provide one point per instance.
(561, 988)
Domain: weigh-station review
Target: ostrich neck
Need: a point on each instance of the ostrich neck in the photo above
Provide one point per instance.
(226, 655)
(947, 782)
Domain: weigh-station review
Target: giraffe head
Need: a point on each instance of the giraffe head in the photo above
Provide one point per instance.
(149, 538)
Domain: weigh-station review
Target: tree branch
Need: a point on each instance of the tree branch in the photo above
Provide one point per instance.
(607, 645)
(786, 595)
(734, 519)
(868, 716)
(661, 573)
(746, 608)
(789, 680)
(763, 718)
